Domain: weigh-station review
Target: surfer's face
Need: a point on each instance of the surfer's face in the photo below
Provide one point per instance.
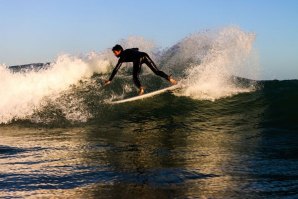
(117, 52)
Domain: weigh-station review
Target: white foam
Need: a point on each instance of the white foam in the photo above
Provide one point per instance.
(22, 93)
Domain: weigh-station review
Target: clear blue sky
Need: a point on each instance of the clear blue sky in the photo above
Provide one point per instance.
(40, 30)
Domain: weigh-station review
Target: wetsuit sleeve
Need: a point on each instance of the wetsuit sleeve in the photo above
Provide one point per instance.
(115, 70)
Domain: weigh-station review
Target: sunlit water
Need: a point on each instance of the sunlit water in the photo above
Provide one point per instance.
(166, 149)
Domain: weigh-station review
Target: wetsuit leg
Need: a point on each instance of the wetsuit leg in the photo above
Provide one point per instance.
(148, 61)
(136, 71)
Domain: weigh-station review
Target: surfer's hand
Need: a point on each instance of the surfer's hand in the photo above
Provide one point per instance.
(107, 82)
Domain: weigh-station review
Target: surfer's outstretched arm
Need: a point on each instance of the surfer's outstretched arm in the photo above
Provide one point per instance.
(113, 73)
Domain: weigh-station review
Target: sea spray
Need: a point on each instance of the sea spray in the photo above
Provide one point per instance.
(224, 57)
(187, 52)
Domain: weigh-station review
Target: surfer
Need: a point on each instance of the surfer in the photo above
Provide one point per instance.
(138, 58)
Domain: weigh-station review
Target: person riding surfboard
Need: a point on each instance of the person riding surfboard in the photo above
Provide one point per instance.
(138, 58)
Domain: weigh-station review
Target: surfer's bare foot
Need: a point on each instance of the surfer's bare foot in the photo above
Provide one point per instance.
(173, 82)
(107, 82)
(141, 91)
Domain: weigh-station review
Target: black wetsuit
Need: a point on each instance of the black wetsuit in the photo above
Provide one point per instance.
(138, 58)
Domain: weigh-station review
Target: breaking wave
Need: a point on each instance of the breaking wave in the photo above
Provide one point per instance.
(70, 88)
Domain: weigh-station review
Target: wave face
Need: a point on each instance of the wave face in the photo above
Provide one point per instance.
(69, 90)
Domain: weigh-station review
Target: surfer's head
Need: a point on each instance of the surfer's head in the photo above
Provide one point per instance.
(117, 49)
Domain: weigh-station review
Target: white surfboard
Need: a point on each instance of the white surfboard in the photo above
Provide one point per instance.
(147, 95)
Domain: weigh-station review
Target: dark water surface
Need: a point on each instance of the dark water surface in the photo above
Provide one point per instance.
(244, 146)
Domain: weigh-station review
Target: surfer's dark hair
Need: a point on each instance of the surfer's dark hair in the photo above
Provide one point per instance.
(117, 48)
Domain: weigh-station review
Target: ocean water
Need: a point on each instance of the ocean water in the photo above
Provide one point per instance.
(218, 136)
